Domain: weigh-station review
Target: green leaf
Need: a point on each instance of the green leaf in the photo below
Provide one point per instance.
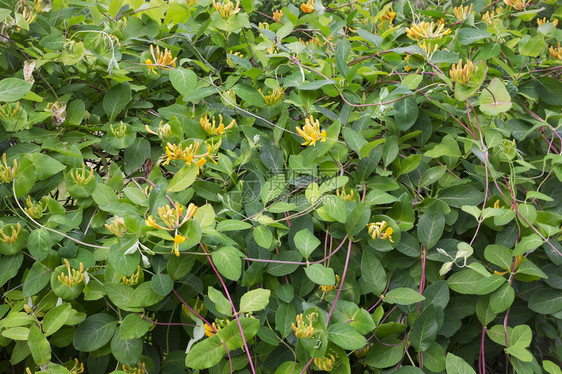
(403, 296)
(346, 337)
(13, 89)
(39, 243)
(357, 219)
(38, 346)
(447, 147)
(499, 255)
(249, 94)
(406, 112)
(383, 356)
(456, 365)
(551, 368)
(272, 188)
(134, 326)
(228, 262)
(233, 225)
(336, 208)
(520, 352)
(373, 273)
(162, 284)
(205, 354)
(320, 274)
(309, 86)
(495, 99)
(126, 351)
(502, 298)
(95, 332)
(430, 227)
(116, 99)
(56, 318)
(468, 36)
(306, 242)
(549, 90)
(465, 281)
(531, 46)
(521, 336)
(285, 315)
(183, 178)
(183, 80)
(458, 196)
(263, 236)
(221, 303)
(254, 300)
(527, 243)
(9, 266)
(424, 329)
(546, 301)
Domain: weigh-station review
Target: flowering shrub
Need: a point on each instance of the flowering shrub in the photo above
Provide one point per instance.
(349, 186)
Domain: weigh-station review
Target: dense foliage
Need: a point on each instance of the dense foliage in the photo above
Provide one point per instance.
(351, 187)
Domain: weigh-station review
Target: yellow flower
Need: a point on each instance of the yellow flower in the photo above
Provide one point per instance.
(311, 132)
(544, 20)
(388, 16)
(172, 217)
(139, 368)
(209, 330)
(462, 13)
(164, 130)
(198, 307)
(302, 329)
(176, 152)
(427, 30)
(80, 177)
(162, 59)
(78, 367)
(7, 173)
(325, 363)
(517, 4)
(344, 195)
(327, 288)
(74, 276)
(428, 48)
(277, 15)
(273, 97)
(556, 53)
(308, 7)
(36, 209)
(14, 234)
(362, 352)
(117, 227)
(490, 17)
(380, 230)
(227, 9)
(211, 128)
(178, 239)
(517, 263)
(133, 279)
(460, 74)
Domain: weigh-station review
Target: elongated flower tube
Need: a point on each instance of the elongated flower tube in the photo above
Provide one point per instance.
(172, 216)
(14, 233)
(380, 230)
(308, 7)
(460, 74)
(7, 173)
(388, 16)
(227, 8)
(544, 20)
(517, 4)
(162, 60)
(325, 363)
(427, 30)
(311, 132)
(277, 14)
(303, 329)
(555, 53)
(176, 152)
(462, 12)
(74, 276)
(211, 128)
(327, 288)
(273, 97)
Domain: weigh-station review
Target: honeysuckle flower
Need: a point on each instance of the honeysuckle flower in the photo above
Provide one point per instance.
(176, 152)
(139, 368)
(119, 131)
(498, 206)
(133, 279)
(311, 132)
(362, 352)
(428, 48)
(14, 233)
(7, 173)
(380, 230)
(78, 367)
(178, 239)
(229, 60)
(209, 330)
(36, 209)
(74, 276)
(555, 53)
(80, 177)
(427, 30)
(325, 363)
(198, 308)
(211, 128)
(303, 329)
(164, 130)
(308, 7)
(490, 17)
(172, 217)
(327, 288)
(274, 97)
(8, 112)
(544, 20)
(517, 4)
(162, 60)
(388, 16)
(344, 195)
(263, 25)
(460, 74)
(227, 8)
(277, 14)
(117, 227)
(462, 12)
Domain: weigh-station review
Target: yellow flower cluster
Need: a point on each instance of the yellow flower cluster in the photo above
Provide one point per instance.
(274, 97)
(544, 20)
(325, 363)
(133, 279)
(36, 209)
(119, 131)
(14, 234)
(7, 173)
(302, 329)
(8, 112)
(80, 178)
(308, 7)
(139, 368)
(327, 288)
(162, 59)
(311, 132)
(460, 74)
(164, 130)
(428, 48)
(211, 127)
(388, 16)
(188, 155)
(490, 17)
(517, 4)
(216, 326)
(277, 14)
(556, 53)
(344, 195)
(78, 367)
(380, 230)
(172, 216)
(462, 13)
(227, 8)
(74, 276)
(427, 30)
